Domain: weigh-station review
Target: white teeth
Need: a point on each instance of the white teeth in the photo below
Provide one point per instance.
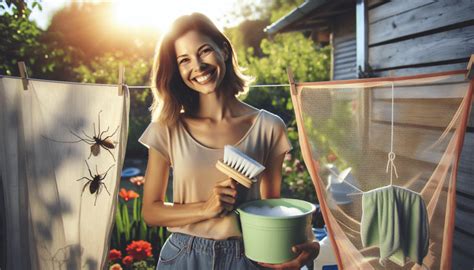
(201, 79)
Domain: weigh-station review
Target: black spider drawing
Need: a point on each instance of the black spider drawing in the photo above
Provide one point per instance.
(96, 141)
(95, 182)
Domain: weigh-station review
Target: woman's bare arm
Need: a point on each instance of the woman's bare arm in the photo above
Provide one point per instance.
(158, 213)
(270, 186)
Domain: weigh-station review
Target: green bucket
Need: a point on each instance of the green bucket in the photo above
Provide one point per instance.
(269, 239)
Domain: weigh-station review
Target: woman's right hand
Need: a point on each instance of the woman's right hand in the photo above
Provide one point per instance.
(222, 199)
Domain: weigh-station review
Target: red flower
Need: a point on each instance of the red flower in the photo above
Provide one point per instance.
(116, 267)
(127, 195)
(127, 260)
(114, 254)
(139, 250)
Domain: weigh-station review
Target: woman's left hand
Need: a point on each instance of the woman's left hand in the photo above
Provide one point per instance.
(307, 252)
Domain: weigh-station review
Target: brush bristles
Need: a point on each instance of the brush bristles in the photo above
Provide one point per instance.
(242, 163)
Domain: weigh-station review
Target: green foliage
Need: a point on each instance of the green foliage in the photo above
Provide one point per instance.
(18, 35)
(23, 40)
(244, 37)
(294, 50)
(308, 62)
(132, 226)
(142, 265)
(104, 69)
(297, 181)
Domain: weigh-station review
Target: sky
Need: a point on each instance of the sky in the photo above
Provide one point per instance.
(42, 18)
(159, 13)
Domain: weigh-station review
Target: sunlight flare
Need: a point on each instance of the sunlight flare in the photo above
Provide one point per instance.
(143, 13)
(160, 14)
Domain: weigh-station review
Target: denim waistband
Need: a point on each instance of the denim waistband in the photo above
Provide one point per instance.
(206, 245)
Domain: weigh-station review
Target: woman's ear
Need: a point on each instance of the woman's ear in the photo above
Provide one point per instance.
(225, 51)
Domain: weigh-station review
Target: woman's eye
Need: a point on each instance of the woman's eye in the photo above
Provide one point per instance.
(206, 50)
(183, 60)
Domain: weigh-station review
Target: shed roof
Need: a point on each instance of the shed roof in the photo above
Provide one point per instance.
(311, 15)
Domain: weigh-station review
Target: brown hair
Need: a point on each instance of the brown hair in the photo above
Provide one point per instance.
(170, 94)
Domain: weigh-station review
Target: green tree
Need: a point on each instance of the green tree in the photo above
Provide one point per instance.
(308, 62)
(18, 34)
(23, 40)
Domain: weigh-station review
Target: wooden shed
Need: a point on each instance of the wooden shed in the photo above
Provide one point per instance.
(374, 38)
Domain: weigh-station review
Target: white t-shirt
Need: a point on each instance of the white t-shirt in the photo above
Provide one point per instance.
(195, 173)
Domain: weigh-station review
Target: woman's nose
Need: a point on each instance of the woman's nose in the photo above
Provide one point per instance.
(200, 65)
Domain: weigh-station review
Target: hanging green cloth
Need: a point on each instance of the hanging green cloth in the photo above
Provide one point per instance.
(395, 219)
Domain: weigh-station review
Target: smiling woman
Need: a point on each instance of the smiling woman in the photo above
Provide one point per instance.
(196, 114)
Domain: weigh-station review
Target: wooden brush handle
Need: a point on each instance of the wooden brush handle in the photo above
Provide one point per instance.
(229, 171)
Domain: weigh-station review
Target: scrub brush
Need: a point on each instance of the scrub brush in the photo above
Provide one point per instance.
(239, 166)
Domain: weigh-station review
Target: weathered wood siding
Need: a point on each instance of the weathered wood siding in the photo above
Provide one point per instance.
(408, 37)
(451, 45)
(419, 34)
(344, 47)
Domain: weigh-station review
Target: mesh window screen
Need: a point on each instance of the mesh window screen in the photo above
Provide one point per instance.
(348, 129)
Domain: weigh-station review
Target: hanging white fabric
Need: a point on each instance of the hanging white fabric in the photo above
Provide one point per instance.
(60, 171)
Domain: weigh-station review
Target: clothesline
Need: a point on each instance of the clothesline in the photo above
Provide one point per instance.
(25, 79)
(250, 86)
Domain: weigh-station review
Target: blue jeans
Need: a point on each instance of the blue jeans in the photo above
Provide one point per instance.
(182, 251)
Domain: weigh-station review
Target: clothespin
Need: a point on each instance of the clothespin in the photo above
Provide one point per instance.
(23, 74)
(121, 79)
(291, 79)
(470, 68)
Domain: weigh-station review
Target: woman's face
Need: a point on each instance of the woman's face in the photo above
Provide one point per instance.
(201, 61)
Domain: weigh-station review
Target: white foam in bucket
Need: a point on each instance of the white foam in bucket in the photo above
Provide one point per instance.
(277, 211)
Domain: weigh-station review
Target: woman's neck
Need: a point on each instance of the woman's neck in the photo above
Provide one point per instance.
(218, 107)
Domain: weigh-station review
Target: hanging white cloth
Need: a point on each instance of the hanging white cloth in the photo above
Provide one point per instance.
(53, 203)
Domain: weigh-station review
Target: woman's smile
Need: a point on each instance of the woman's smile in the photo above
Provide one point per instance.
(205, 77)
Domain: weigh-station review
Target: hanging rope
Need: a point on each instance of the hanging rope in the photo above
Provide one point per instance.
(250, 86)
(391, 154)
